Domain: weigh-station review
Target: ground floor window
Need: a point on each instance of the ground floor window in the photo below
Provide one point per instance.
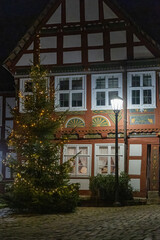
(81, 166)
(105, 158)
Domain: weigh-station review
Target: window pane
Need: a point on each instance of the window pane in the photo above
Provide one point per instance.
(83, 150)
(113, 83)
(113, 150)
(76, 99)
(103, 150)
(147, 80)
(112, 165)
(64, 100)
(100, 96)
(73, 167)
(147, 97)
(64, 84)
(103, 165)
(76, 84)
(135, 96)
(135, 81)
(28, 86)
(112, 95)
(71, 151)
(82, 165)
(100, 83)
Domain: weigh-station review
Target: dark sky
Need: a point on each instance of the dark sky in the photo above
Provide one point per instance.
(15, 17)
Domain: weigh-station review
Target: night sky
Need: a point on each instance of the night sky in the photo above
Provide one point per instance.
(15, 17)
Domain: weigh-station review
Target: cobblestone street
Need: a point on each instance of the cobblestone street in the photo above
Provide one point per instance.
(124, 223)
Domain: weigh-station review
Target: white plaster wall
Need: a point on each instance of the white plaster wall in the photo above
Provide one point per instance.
(142, 52)
(72, 11)
(108, 13)
(48, 42)
(135, 38)
(48, 58)
(135, 150)
(25, 60)
(117, 37)
(56, 17)
(8, 127)
(95, 55)
(134, 167)
(118, 53)
(135, 183)
(30, 47)
(7, 172)
(91, 10)
(9, 102)
(84, 183)
(72, 41)
(95, 39)
(72, 57)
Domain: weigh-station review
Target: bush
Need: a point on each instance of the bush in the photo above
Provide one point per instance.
(23, 199)
(103, 187)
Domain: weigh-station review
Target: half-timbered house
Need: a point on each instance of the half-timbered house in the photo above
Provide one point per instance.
(94, 51)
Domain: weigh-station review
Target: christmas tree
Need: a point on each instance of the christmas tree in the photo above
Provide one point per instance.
(41, 181)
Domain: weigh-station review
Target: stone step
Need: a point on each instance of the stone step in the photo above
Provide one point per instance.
(153, 197)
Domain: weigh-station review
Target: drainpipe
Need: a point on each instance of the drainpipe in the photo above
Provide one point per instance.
(125, 117)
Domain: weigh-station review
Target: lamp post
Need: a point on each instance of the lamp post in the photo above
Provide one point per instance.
(117, 105)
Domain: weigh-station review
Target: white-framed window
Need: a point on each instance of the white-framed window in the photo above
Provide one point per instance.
(104, 88)
(105, 158)
(81, 166)
(70, 93)
(26, 88)
(26, 91)
(141, 90)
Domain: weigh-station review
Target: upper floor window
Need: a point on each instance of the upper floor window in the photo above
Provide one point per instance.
(70, 93)
(26, 88)
(141, 90)
(104, 88)
(82, 161)
(26, 92)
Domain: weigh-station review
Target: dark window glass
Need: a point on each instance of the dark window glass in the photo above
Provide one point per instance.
(76, 99)
(113, 83)
(64, 100)
(100, 83)
(64, 84)
(76, 84)
(135, 96)
(135, 81)
(147, 97)
(147, 80)
(100, 98)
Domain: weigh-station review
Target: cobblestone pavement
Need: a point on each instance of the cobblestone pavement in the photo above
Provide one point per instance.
(123, 223)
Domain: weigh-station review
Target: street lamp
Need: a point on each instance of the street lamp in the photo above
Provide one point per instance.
(117, 105)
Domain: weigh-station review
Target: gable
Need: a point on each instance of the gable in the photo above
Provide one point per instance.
(86, 32)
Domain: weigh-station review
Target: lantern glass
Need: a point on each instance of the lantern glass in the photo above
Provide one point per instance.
(117, 104)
